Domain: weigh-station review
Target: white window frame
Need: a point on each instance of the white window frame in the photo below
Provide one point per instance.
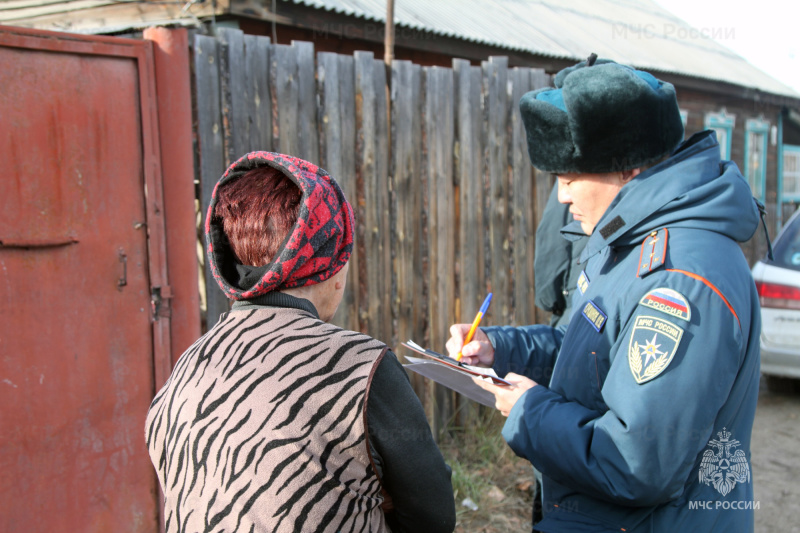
(792, 152)
(755, 162)
(723, 123)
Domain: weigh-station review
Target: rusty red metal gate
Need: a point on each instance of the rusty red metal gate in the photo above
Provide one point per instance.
(82, 279)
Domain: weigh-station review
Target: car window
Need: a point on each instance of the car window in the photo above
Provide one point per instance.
(787, 246)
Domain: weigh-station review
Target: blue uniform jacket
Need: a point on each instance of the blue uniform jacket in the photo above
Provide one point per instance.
(646, 420)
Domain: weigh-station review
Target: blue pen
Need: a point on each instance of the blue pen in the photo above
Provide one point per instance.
(475, 323)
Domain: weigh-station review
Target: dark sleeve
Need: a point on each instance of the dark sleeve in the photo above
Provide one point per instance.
(530, 351)
(411, 466)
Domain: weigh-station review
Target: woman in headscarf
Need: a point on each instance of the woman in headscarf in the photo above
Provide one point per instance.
(276, 420)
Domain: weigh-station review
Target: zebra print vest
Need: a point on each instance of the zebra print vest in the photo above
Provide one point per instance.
(261, 427)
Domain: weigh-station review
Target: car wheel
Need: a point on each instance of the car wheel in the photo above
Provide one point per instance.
(782, 385)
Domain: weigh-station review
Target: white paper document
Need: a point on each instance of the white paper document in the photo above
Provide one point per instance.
(453, 374)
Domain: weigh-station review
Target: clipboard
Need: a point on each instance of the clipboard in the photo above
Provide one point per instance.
(452, 374)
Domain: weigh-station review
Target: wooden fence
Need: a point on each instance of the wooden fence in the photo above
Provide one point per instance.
(433, 160)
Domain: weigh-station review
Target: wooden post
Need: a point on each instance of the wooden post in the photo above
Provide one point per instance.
(497, 111)
(211, 151)
(173, 85)
(388, 38)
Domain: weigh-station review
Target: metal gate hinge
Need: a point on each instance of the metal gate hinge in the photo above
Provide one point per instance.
(159, 301)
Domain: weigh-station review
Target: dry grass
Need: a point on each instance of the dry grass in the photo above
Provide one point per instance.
(486, 471)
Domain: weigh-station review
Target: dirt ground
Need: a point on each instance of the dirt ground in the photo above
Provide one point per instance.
(501, 485)
(496, 484)
(776, 460)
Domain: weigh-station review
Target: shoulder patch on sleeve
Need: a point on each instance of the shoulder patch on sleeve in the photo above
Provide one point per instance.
(654, 252)
(652, 346)
(668, 301)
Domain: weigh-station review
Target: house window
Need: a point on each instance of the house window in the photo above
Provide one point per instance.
(791, 173)
(723, 124)
(755, 155)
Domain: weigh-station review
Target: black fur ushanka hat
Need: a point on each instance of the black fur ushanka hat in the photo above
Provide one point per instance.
(601, 117)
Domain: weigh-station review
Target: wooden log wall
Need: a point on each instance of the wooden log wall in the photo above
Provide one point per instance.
(436, 168)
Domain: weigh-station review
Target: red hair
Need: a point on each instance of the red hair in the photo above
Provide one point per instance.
(258, 211)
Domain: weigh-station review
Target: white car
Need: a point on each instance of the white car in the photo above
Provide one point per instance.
(778, 284)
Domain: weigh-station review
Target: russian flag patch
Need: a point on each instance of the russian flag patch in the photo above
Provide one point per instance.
(667, 301)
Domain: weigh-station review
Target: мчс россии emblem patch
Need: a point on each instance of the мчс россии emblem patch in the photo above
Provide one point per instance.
(652, 346)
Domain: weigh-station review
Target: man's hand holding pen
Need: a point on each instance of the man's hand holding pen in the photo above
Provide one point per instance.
(480, 352)
(477, 352)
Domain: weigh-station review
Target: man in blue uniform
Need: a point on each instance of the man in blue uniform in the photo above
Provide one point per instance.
(643, 422)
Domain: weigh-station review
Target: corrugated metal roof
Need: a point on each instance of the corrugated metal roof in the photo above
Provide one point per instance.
(636, 32)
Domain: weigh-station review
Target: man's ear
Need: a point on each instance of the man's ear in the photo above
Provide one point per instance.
(628, 175)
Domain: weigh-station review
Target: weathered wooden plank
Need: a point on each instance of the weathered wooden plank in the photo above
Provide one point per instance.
(367, 183)
(234, 92)
(307, 135)
(259, 102)
(471, 280)
(412, 285)
(543, 181)
(522, 186)
(347, 81)
(540, 78)
(438, 158)
(361, 61)
(383, 190)
(470, 286)
(285, 94)
(211, 152)
(497, 112)
(337, 83)
(330, 112)
(330, 121)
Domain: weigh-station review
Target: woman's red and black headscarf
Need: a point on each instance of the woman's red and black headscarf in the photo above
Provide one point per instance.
(316, 248)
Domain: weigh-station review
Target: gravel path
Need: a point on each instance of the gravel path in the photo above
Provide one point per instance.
(776, 460)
